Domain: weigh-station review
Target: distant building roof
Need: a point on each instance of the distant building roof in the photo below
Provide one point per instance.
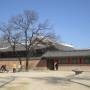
(5, 46)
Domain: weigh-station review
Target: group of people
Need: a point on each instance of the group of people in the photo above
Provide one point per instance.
(15, 68)
(3, 68)
(18, 67)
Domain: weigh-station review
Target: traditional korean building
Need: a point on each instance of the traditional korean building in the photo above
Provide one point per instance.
(45, 56)
(68, 60)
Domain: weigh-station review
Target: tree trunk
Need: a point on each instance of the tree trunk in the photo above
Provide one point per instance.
(27, 63)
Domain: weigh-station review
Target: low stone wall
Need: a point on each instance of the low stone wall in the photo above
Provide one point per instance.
(38, 64)
(33, 63)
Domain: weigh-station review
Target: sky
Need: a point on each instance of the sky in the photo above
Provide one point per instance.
(70, 18)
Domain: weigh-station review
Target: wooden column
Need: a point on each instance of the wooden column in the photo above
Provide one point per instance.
(80, 60)
(69, 60)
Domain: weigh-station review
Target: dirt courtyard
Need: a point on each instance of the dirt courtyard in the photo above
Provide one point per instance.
(45, 80)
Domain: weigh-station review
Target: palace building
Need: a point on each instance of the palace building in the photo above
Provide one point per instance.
(46, 56)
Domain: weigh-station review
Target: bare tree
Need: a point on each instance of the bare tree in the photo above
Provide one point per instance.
(11, 37)
(24, 29)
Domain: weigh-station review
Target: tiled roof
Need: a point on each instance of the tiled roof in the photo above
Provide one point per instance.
(66, 53)
(5, 46)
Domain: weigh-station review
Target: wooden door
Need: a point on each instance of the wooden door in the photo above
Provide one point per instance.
(50, 64)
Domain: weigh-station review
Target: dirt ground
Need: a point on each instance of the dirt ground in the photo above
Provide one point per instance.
(45, 80)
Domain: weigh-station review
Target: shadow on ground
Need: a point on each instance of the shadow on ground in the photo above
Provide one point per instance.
(6, 80)
(62, 81)
(53, 80)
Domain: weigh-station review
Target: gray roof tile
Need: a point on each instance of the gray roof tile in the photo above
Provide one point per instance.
(66, 53)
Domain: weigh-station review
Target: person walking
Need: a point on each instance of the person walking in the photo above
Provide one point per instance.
(19, 67)
(55, 65)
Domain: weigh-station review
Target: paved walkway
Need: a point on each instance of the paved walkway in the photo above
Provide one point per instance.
(83, 79)
(45, 80)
